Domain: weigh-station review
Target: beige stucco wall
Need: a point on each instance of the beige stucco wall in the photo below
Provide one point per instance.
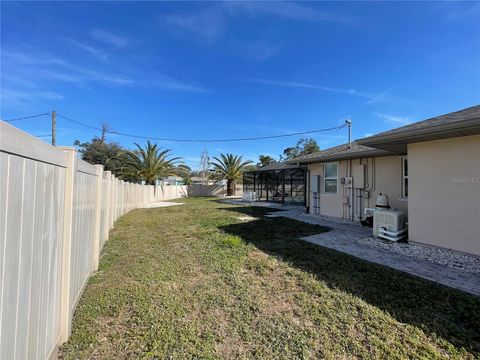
(444, 205)
(382, 175)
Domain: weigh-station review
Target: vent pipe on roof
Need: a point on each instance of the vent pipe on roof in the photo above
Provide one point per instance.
(348, 123)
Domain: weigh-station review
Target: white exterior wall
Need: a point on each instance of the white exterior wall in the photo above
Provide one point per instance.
(382, 175)
(55, 214)
(444, 206)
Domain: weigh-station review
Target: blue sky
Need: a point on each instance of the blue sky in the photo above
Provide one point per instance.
(223, 70)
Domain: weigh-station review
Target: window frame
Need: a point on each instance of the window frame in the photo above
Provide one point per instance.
(325, 178)
(404, 177)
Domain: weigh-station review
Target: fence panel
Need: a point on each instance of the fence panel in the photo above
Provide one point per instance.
(31, 221)
(55, 215)
(83, 221)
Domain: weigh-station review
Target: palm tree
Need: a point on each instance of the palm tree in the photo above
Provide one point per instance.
(265, 160)
(149, 164)
(229, 167)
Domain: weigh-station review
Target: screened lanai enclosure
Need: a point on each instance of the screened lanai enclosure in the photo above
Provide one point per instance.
(277, 182)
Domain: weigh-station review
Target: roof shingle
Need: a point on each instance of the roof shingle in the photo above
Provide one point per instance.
(340, 152)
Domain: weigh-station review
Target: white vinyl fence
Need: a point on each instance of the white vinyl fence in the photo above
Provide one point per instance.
(55, 214)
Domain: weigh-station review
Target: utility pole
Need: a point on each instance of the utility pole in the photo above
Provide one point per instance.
(348, 123)
(54, 128)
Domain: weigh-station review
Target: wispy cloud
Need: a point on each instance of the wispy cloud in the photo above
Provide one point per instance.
(169, 83)
(460, 10)
(25, 68)
(211, 22)
(21, 57)
(394, 118)
(32, 69)
(379, 98)
(302, 85)
(17, 94)
(34, 77)
(208, 24)
(283, 10)
(371, 98)
(259, 51)
(110, 38)
(98, 53)
(21, 100)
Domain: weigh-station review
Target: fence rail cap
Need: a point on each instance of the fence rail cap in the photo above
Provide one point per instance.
(17, 142)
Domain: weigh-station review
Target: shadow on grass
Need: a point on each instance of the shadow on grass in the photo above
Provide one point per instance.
(450, 314)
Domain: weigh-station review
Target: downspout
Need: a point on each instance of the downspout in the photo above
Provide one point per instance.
(352, 192)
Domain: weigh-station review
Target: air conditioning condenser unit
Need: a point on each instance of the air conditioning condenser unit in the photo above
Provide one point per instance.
(389, 224)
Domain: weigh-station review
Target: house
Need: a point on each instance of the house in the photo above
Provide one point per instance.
(443, 177)
(429, 169)
(346, 179)
(198, 180)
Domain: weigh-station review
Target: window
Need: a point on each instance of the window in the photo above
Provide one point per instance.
(404, 177)
(330, 178)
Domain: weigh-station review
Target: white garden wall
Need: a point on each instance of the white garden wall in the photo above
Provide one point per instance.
(55, 214)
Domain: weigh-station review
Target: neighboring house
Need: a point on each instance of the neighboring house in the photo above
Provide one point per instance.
(171, 180)
(429, 169)
(198, 180)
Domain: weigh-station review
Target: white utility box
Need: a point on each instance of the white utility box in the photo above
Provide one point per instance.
(358, 173)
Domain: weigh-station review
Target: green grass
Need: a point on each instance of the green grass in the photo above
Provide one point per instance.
(210, 280)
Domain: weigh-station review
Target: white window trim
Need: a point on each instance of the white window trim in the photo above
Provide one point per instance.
(330, 178)
(403, 177)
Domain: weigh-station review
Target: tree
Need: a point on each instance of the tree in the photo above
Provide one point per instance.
(149, 164)
(229, 167)
(97, 151)
(303, 146)
(204, 164)
(265, 160)
(106, 128)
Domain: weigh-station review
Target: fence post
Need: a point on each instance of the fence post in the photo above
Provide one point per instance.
(98, 217)
(114, 202)
(65, 310)
(120, 201)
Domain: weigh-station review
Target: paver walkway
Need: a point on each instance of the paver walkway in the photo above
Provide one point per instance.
(342, 238)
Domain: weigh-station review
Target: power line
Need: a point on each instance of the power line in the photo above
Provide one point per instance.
(79, 122)
(44, 135)
(26, 117)
(230, 140)
(204, 140)
(187, 140)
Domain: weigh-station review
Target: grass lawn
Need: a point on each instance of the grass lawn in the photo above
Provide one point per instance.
(211, 280)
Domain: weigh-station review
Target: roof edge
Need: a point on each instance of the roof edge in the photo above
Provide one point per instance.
(411, 134)
(334, 157)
